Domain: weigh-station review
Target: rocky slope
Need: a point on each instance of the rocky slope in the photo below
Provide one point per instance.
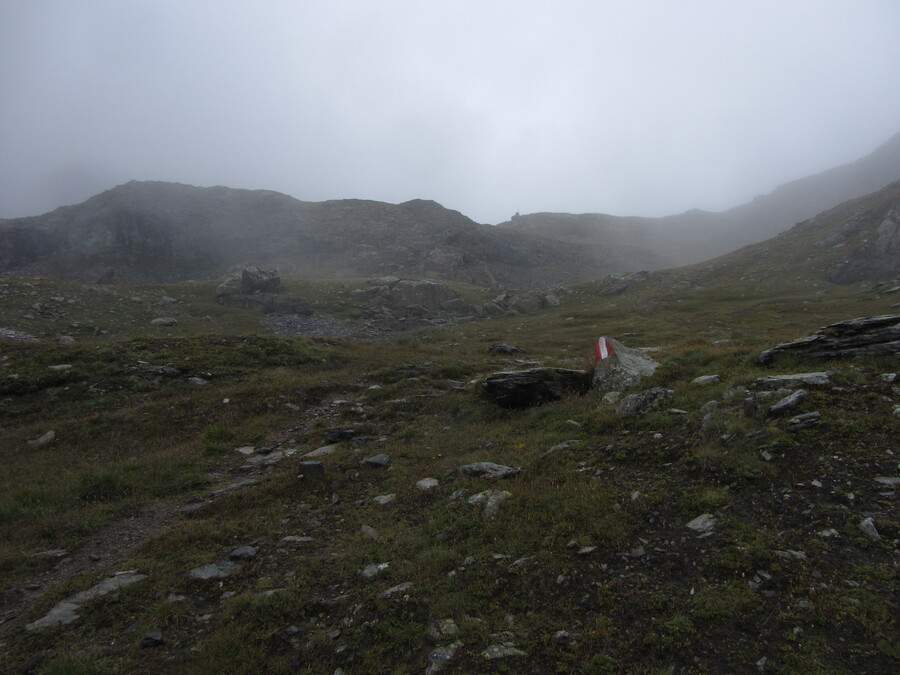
(153, 232)
(699, 235)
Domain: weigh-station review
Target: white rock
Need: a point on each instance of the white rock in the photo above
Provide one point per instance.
(702, 524)
(427, 484)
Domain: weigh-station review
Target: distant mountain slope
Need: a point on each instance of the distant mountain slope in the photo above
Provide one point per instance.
(154, 232)
(699, 235)
(858, 240)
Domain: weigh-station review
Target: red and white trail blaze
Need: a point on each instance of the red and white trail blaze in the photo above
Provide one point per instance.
(604, 349)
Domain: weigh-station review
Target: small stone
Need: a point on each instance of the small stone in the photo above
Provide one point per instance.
(586, 550)
(242, 553)
(214, 571)
(804, 421)
(62, 367)
(867, 526)
(370, 532)
(494, 652)
(164, 321)
(324, 450)
(197, 381)
(441, 656)
(246, 450)
(702, 524)
(378, 461)
(395, 590)
(310, 470)
(43, 440)
(788, 402)
(152, 640)
(611, 397)
(427, 484)
(766, 455)
(829, 533)
(890, 481)
(442, 628)
(382, 500)
(373, 570)
(707, 379)
(488, 470)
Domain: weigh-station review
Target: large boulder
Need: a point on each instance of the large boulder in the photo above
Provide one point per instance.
(622, 369)
(255, 280)
(535, 386)
(865, 336)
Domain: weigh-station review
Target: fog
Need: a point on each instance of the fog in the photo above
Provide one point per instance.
(490, 107)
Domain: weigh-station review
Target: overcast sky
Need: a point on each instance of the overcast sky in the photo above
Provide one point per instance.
(632, 107)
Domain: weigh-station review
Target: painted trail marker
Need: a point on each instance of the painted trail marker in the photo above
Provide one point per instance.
(604, 348)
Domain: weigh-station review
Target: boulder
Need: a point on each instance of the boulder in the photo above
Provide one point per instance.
(535, 386)
(644, 402)
(865, 336)
(255, 280)
(622, 369)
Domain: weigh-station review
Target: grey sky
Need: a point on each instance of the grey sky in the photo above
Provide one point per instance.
(633, 107)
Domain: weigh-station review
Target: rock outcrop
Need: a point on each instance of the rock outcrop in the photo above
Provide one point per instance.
(260, 290)
(865, 336)
(535, 386)
(622, 368)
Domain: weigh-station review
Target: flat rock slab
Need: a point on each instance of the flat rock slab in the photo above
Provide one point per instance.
(535, 386)
(67, 611)
(219, 570)
(865, 336)
(795, 380)
(489, 470)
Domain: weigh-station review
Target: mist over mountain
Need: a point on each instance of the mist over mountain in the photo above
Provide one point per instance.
(158, 232)
(699, 235)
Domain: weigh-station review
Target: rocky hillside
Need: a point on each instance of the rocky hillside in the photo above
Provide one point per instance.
(699, 235)
(199, 498)
(153, 232)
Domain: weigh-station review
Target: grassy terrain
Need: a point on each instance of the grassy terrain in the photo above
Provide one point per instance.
(587, 566)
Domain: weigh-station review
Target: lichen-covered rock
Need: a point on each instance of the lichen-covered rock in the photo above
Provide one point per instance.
(622, 369)
(632, 405)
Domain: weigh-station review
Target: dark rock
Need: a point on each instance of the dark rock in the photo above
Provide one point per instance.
(803, 421)
(152, 640)
(536, 386)
(242, 553)
(164, 321)
(378, 461)
(503, 348)
(865, 336)
(622, 368)
(644, 402)
(338, 435)
(255, 280)
(311, 469)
